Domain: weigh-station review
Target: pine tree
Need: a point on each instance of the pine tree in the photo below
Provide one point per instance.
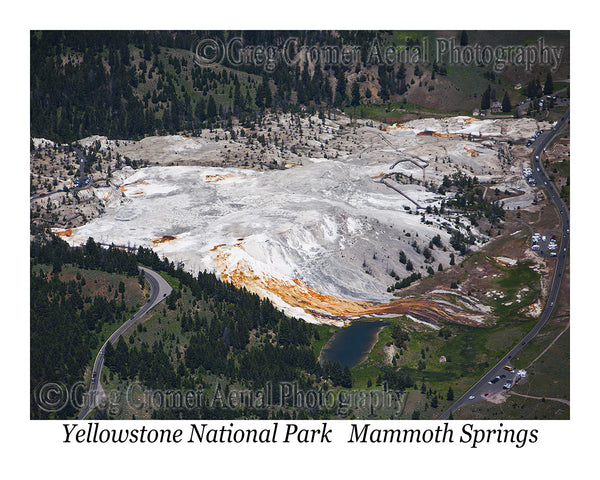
(548, 86)
(340, 88)
(355, 94)
(211, 108)
(506, 106)
(267, 93)
(402, 257)
(485, 99)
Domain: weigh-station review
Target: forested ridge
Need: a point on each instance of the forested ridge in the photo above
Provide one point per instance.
(65, 328)
(131, 84)
(128, 84)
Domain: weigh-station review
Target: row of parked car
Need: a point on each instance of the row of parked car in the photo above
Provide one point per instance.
(528, 174)
(534, 137)
(552, 245)
(497, 378)
(77, 183)
(508, 383)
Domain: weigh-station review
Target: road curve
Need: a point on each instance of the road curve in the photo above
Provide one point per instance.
(476, 391)
(160, 290)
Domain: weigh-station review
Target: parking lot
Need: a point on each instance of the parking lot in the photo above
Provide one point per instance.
(546, 244)
(507, 378)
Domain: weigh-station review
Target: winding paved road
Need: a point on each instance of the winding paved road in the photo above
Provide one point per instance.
(160, 289)
(477, 391)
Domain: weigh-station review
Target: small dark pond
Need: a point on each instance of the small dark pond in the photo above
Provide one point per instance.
(351, 345)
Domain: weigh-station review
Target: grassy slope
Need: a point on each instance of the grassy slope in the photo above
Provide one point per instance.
(471, 351)
(457, 92)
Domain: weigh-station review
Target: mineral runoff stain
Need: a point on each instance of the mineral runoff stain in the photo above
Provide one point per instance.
(326, 308)
(163, 239)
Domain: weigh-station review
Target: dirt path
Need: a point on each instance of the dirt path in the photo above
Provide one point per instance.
(514, 217)
(561, 400)
(551, 343)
